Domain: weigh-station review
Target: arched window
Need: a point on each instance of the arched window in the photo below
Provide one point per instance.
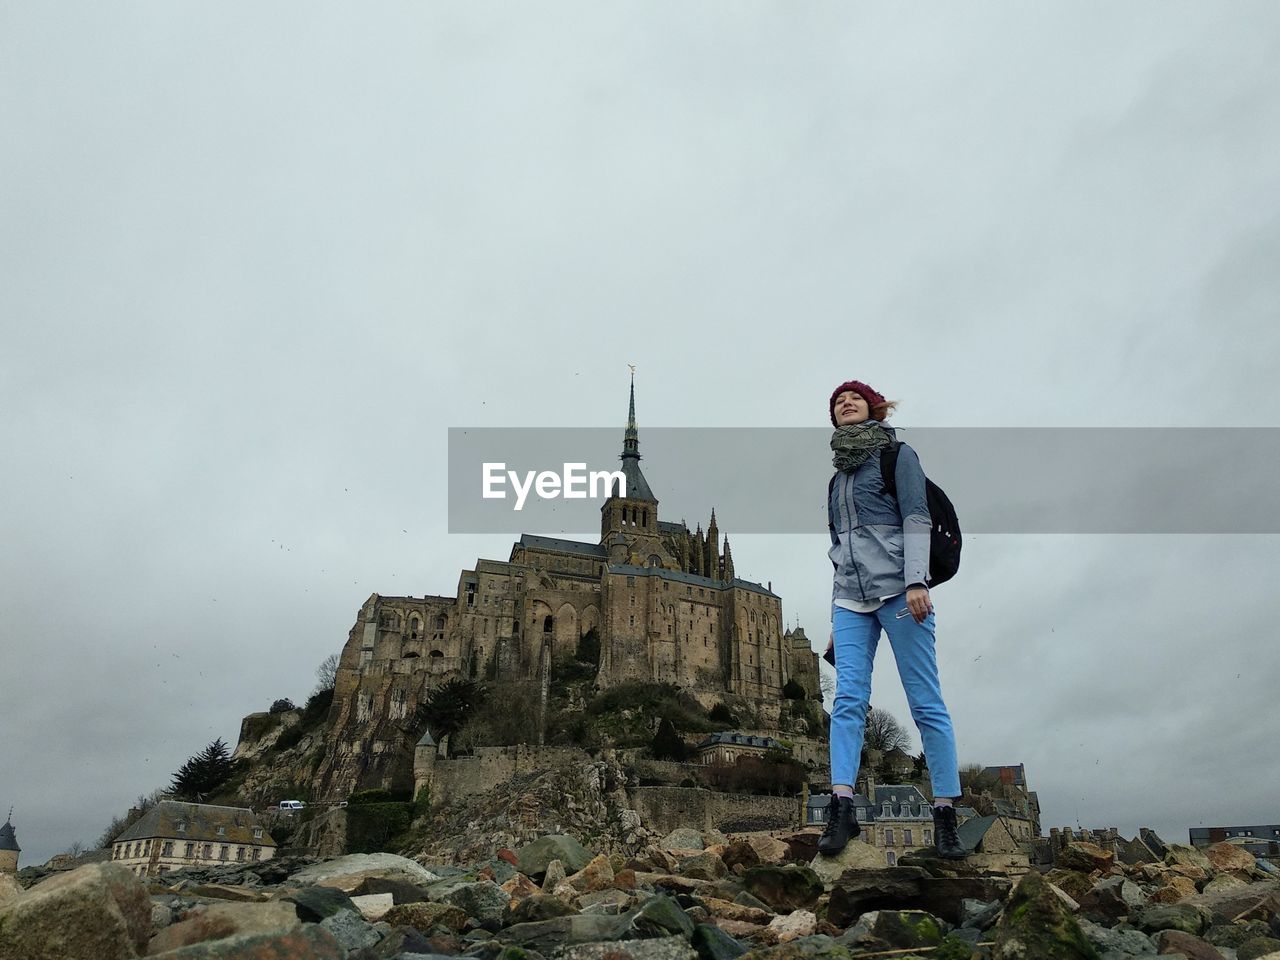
(644, 518)
(414, 624)
(546, 625)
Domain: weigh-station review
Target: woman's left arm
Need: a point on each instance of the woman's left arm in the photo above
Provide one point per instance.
(913, 508)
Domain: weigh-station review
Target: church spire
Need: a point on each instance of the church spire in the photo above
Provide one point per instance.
(637, 486)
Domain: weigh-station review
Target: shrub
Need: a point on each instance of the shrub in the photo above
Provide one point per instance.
(720, 713)
(281, 706)
(793, 691)
(372, 827)
(317, 708)
(374, 795)
(290, 737)
(667, 744)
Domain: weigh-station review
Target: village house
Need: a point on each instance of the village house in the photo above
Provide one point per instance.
(727, 747)
(173, 834)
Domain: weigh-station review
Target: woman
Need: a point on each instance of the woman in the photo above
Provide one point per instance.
(880, 551)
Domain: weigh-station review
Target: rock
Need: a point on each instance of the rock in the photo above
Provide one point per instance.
(787, 888)
(1177, 889)
(1035, 924)
(799, 923)
(1259, 948)
(682, 839)
(816, 947)
(735, 911)
(1186, 917)
(373, 906)
(1258, 901)
(665, 948)
(1127, 942)
(880, 930)
(1064, 898)
(625, 880)
(596, 875)
(740, 852)
(1228, 856)
(1072, 882)
(658, 916)
(161, 915)
(910, 887)
(742, 930)
(1111, 899)
(545, 936)
(1177, 855)
(507, 854)
(311, 942)
(553, 876)
(1234, 934)
(423, 916)
(978, 914)
(855, 856)
(402, 890)
(400, 941)
(97, 912)
(218, 921)
(705, 866)
(533, 858)
(540, 906)
(351, 930)
(485, 902)
(347, 873)
(769, 849)
(1193, 948)
(1084, 857)
(745, 899)
(604, 901)
(712, 943)
(1225, 881)
(518, 887)
(313, 904)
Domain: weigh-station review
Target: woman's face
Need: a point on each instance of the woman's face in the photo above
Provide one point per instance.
(851, 408)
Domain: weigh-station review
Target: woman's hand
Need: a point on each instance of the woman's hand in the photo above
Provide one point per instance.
(919, 604)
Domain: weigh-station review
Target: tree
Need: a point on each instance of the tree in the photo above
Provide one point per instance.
(884, 733)
(327, 673)
(77, 847)
(827, 682)
(282, 705)
(791, 690)
(120, 824)
(448, 707)
(204, 773)
(667, 744)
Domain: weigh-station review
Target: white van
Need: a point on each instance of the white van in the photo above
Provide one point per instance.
(291, 805)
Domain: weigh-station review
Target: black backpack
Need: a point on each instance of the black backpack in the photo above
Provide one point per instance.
(944, 534)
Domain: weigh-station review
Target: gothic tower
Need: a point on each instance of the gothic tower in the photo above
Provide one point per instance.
(9, 848)
(629, 523)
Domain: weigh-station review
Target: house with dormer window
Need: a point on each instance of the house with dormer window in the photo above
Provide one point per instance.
(173, 835)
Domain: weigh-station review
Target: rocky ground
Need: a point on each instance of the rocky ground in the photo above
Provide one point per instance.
(682, 898)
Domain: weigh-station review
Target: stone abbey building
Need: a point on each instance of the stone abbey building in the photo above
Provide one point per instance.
(665, 604)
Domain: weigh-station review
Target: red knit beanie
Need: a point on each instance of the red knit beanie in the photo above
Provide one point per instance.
(861, 389)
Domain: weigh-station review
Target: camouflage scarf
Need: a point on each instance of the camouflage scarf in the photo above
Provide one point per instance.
(853, 443)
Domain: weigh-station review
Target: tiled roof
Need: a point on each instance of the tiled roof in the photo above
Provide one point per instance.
(201, 822)
(972, 831)
(555, 545)
(679, 576)
(9, 839)
(741, 739)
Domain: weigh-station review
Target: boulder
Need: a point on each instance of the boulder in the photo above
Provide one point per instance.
(1176, 890)
(705, 866)
(793, 926)
(545, 936)
(1193, 948)
(1111, 899)
(1234, 934)
(596, 875)
(97, 912)
(313, 904)
(423, 916)
(855, 856)
(1035, 924)
(532, 859)
(373, 906)
(682, 839)
(310, 941)
(1258, 901)
(402, 890)
(665, 948)
(734, 911)
(539, 906)
(1185, 917)
(658, 916)
(9, 887)
(1263, 948)
(817, 947)
(978, 914)
(347, 873)
(351, 930)
(883, 930)
(483, 901)
(740, 852)
(1072, 882)
(786, 888)
(217, 921)
(909, 887)
(1178, 855)
(712, 943)
(1084, 857)
(1131, 943)
(1224, 881)
(518, 887)
(1228, 856)
(553, 876)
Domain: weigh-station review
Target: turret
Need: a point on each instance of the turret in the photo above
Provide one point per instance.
(9, 848)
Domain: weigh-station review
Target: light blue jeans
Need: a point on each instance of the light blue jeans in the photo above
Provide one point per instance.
(856, 637)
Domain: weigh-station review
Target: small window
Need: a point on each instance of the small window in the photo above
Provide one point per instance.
(222, 831)
(208, 851)
(257, 853)
(167, 849)
(182, 826)
(257, 833)
(189, 851)
(890, 858)
(223, 852)
(631, 581)
(240, 853)
(906, 836)
(928, 836)
(632, 620)
(888, 836)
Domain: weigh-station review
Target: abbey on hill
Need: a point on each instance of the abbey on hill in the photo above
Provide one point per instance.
(663, 603)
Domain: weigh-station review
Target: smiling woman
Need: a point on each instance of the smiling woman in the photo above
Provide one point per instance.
(880, 552)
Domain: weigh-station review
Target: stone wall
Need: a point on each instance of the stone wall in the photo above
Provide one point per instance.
(663, 809)
(488, 767)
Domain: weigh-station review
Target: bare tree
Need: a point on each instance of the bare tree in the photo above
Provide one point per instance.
(77, 847)
(327, 673)
(884, 733)
(827, 683)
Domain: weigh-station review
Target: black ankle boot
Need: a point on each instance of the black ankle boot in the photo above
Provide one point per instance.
(946, 838)
(842, 825)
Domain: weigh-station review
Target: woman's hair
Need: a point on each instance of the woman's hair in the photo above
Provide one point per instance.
(882, 411)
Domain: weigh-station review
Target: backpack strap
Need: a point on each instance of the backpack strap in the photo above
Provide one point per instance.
(889, 468)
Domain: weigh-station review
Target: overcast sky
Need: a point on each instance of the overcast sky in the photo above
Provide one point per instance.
(255, 261)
